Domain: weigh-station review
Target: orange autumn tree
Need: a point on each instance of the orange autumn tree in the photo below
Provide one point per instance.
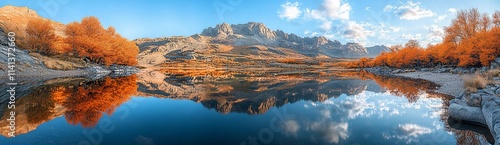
(40, 36)
(88, 39)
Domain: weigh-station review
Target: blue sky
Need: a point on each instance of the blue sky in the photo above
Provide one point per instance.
(385, 22)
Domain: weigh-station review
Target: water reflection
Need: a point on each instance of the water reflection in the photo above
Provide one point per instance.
(86, 103)
(331, 108)
(252, 95)
(81, 102)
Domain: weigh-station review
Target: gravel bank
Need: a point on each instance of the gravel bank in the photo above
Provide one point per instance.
(451, 84)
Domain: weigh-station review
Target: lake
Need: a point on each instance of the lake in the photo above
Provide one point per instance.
(153, 108)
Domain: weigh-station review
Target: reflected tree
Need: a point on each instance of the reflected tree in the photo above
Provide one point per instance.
(86, 103)
(39, 106)
(412, 89)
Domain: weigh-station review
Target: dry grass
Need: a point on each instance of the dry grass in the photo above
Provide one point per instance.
(492, 73)
(60, 62)
(291, 61)
(472, 83)
(224, 48)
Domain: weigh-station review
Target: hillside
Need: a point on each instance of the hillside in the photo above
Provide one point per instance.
(15, 19)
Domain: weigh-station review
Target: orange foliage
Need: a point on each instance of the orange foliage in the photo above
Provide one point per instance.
(87, 39)
(40, 36)
(473, 39)
(90, 40)
(86, 103)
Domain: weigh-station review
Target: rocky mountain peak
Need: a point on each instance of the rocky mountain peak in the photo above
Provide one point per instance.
(249, 29)
(18, 11)
(376, 50)
(321, 40)
(220, 30)
(254, 29)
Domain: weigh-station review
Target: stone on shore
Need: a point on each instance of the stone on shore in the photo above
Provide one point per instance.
(474, 100)
(466, 113)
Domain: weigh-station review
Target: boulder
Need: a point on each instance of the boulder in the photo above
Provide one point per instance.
(484, 69)
(489, 91)
(467, 113)
(425, 69)
(497, 92)
(494, 65)
(398, 71)
(441, 70)
(454, 70)
(472, 70)
(3, 38)
(474, 100)
(497, 60)
(491, 112)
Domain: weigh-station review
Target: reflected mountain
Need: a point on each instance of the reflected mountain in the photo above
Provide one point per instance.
(256, 95)
(252, 95)
(81, 102)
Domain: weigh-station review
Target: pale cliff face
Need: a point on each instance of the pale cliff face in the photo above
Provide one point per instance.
(15, 19)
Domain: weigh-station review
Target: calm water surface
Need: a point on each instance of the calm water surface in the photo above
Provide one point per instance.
(157, 109)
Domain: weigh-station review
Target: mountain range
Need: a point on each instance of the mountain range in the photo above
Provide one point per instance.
(251, 37)
(251, 40)
(253, 33)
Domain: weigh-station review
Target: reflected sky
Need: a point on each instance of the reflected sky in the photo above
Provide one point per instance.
(363, 109)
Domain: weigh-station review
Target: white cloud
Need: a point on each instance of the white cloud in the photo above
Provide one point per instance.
(307, 32)
(394, 29)
(314, 34)
(337, 10)
(440, 18)
(330, 9)
(409, 11)
(417, 36)
(435, 35)
(290, 11)
(409, 133)
(414, 130)
(354, 30)
(358, 106)
(291, 127)
(453, 10)
(394, 112)
(332, 132)
(327, 25)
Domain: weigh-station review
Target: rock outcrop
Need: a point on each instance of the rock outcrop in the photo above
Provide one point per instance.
(15, 19)
(481, 108)
(374, 51)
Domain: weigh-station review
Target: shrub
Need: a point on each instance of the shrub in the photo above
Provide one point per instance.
(472, 83)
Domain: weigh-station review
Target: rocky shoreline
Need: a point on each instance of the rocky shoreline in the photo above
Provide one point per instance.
(479, 108)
